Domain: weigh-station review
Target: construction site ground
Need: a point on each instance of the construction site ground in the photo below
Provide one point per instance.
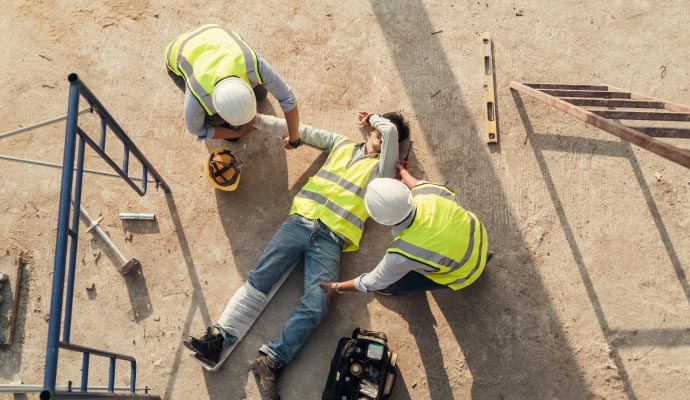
(587, 294)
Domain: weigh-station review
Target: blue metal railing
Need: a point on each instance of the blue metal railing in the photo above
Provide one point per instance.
(64, 231)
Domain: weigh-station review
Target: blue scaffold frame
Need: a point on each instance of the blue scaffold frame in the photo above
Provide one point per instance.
(64, 232)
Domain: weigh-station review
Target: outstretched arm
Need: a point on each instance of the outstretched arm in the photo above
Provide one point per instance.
(407, 178)
(275, 85)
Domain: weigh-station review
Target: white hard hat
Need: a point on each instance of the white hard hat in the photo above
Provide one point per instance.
(388, 201)
(234, 100)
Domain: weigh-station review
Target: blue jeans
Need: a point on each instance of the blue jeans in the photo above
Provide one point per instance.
(413, 282)
(320, 247)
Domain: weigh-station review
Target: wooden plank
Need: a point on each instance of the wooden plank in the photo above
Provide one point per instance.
(596, 94)
(670, 106)
(10, 297)
(642, 115)
(563, 86)
(676, 133)
(621, 103)
(489, 90)
(656, 146)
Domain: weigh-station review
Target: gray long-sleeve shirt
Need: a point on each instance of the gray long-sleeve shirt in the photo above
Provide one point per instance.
(325, 140)
(195, 115)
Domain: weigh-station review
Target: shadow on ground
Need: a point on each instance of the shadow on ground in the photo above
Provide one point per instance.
(504, 324)
(616, 338)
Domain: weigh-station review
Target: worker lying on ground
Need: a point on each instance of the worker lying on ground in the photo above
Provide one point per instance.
(437, 243)
(327, 218)
(223, 78)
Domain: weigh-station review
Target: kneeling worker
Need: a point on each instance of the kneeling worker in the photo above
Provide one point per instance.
(437, 245)
(223, 78)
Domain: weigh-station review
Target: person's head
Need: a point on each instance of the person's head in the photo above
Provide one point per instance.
(375, 137)
(388, 201)
(234, 101)
(400, 124)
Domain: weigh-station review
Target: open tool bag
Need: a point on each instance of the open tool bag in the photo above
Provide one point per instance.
(363, 368)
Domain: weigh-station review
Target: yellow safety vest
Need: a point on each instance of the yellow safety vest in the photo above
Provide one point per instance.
(335, 195)
(445, 237)
(208, 54)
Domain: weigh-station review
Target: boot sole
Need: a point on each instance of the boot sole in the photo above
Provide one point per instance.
(190, 347)
(198, 355)
(264, 392)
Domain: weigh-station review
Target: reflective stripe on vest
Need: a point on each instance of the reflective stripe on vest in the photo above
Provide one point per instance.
(335, 195)
(448, 239)
(206, 55)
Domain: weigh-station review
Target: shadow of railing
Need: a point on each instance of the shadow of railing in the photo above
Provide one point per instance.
(615, 338)
(198, 302)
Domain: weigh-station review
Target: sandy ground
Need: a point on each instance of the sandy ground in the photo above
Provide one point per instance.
(587, 296)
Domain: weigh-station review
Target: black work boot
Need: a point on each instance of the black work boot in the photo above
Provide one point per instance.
(208, 346)
(267, 370)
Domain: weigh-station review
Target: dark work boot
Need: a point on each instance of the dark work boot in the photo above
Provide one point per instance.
(267, 370)
(208, 346)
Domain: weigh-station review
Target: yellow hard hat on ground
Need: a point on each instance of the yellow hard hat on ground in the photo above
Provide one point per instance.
(223, 170)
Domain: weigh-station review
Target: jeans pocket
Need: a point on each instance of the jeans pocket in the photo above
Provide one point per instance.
(341, 242)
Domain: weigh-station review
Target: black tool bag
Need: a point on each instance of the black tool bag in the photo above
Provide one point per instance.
(363, 368)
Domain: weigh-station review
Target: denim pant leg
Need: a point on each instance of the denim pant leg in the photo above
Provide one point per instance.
(321, 264)
(284, 249)
(414, 282)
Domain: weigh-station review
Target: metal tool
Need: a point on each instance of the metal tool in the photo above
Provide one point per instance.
(127, 265)
(489, 90)
(148, 217)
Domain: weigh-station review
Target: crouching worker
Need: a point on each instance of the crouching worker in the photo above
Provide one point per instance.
(326, 219)
(437, 245)
(223, 78)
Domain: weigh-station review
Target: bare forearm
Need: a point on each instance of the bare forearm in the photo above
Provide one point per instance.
(225, 133)
(407, 178)
(292, 119)
(347, 286)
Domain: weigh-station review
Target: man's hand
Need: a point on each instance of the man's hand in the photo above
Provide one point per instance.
(330, 291)
(407, 178)
(286, 143)
(246, 128)
(363, 118)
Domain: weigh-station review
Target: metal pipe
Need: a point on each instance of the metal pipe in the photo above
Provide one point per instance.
(127, 265)
(47, 164)
(40, 124)
(78, 395)
(149, 217)
(117, 130)
(25, 388)
(71, 271)
(61, 241)
(85, 372)
(111, 375)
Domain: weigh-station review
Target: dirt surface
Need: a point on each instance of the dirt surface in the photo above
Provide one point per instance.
(586, 297)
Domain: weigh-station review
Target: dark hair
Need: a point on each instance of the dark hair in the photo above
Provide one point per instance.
(400, 124)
